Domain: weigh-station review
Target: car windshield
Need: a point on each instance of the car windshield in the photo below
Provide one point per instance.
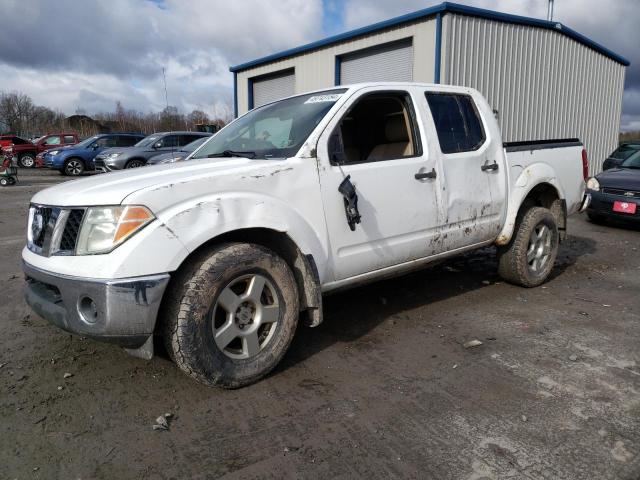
(625, 151)
(633, 161)
(147, 141)
(276, 130)
(87, 141)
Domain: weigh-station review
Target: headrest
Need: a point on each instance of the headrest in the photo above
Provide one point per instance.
(396, 129)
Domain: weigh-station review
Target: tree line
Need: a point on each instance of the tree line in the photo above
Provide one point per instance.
(20, 116)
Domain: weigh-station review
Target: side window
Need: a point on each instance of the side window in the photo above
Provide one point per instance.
(106, 142)
(378, 127)
(170, 141)
(185, 139)
(69, 139)
(127, 141)
(53, 140)
(457, 122)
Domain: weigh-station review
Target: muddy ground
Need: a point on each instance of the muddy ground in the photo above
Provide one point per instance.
(383, 389)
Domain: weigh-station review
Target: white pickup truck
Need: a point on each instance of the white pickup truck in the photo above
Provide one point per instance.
(223, 254)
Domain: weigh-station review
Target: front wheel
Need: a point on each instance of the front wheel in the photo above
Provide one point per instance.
(530, 255)
(27, 160)
(231, 314)
(4, 182)
(135, 164)
(74, 167)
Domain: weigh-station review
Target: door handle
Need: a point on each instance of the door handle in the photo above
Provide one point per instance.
(424, 175)
(487, 166)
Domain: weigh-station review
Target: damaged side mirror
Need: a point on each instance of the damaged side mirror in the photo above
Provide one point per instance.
(350, 197)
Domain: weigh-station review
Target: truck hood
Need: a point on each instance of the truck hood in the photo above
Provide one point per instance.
(112, 188)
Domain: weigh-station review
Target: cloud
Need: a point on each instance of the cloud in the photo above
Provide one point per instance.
(90, 54)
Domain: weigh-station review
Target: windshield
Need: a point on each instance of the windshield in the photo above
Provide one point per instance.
(276, 130)
(87, 141)
(190, 147)
(147, 141)
(633, 161)
(625, 151)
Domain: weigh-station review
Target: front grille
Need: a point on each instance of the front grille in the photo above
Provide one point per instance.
(621, 192)
(71, 230)
(54, 230)
(40, 225)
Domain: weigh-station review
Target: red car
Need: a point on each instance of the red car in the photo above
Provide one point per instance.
(26, 152)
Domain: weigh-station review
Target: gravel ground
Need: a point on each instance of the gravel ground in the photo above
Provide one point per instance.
(383, 389)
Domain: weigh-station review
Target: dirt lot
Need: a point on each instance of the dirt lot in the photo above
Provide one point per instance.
(383, 389)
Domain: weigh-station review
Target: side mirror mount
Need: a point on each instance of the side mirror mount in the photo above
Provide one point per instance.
(350, 197)
(336, 149)
(95, 146)
(157, 145)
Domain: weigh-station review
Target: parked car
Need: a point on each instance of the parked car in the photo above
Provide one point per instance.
(178, 155)
(615, 193)
(76, 160)
(138, 156)
(26, 153)
(10, 140)
(620, 154)
(302, 196)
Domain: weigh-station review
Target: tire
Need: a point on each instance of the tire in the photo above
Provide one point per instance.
(135, 164)
(230, 314)
(74, 167)
(4, 182)
(27, 160)
(12, 181)
(530, 255)
(595, 218)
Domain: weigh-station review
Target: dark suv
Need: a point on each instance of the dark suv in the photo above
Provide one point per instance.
(76, 159)
(624, 151)
(138, 155)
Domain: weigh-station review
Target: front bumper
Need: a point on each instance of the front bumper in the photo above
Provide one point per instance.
(102, 165)
(602, 204)
(121, 311)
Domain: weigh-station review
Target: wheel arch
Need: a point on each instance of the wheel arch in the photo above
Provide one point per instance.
(302, 265)
(542, 194)
(133, 159)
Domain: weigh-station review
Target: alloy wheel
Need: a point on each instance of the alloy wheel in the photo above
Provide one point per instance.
(539, 248)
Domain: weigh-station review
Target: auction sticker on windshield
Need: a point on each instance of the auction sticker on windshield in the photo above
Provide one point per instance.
(324, 98)
(624, 207)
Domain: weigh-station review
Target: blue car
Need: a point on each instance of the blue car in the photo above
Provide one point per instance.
(77, 159)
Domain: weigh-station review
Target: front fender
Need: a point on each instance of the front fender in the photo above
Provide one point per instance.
(198, 220)
(524, 180)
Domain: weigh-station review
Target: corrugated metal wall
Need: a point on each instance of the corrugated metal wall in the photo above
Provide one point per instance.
(543, 84)
(316, 69)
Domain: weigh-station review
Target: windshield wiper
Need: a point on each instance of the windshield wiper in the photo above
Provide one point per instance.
(232, 153)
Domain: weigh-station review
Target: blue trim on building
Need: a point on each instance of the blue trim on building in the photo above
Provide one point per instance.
(337, 70)
(235, 95)
(442, 8)
(438, 55)
(250, 94)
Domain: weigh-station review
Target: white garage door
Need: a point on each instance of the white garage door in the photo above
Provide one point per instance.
(392, 62)
(273, 88)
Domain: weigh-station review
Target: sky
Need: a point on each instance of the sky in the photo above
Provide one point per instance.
(88, 54)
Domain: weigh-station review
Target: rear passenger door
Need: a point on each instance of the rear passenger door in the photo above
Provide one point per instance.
(471, 168)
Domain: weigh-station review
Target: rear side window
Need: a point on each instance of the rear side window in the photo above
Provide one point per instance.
(185, 139)
(55, 140)
(127, 141)
(69, 139)
(457, 122)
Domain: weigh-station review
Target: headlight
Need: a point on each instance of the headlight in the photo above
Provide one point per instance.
(52, 152)
(593, 184)
(104, 228)
(171, 160)
(113, 155)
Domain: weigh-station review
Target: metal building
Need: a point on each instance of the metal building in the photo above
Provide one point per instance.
(544, 79)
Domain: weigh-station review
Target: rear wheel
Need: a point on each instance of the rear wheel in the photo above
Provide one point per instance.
(4, 182)
(74, 167)
(231, 314)
(530, 255)
(134, 164)
(27, 160)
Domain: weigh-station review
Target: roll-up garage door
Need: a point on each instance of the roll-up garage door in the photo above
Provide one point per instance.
(273, 87)
(391, 62)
